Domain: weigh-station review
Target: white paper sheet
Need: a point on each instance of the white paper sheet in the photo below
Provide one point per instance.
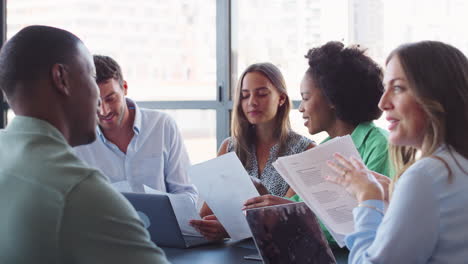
(184, 210)
(225, 185)
(304, 172)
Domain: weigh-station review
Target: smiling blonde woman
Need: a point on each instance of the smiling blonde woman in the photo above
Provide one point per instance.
(426, 103)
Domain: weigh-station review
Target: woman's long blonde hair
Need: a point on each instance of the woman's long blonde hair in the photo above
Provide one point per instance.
(243, 133)
(438, 77)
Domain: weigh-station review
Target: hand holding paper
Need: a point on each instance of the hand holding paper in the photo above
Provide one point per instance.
(264, 200)
(355, 178)
(210, 227)
(305, 173)
(184, 210)
(225, 185)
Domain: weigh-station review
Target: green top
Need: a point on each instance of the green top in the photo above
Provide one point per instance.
(371, 143)
(57, 210)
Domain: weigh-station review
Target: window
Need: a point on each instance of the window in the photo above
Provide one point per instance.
(262, 31)
(167, 51)
(183, 56)
(265, 30)
(198, 139)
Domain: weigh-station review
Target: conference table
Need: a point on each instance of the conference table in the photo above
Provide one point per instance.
(227, 253)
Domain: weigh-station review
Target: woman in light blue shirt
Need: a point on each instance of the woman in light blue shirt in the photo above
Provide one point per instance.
(426, 103)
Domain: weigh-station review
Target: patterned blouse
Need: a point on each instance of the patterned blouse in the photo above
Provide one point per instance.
(270, 178)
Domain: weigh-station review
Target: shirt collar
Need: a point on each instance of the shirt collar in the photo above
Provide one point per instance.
(35, 125)
(325, 140)
(359, 133)
(136, 123)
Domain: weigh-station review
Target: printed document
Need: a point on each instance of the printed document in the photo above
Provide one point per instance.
(225, 185)
(305, 173)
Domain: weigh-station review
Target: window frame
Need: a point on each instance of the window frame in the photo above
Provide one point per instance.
(225, 80)
(3, 104)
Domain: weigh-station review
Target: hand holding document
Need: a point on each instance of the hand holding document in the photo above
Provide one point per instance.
(184, 210)
(225, 185)
(305, 173)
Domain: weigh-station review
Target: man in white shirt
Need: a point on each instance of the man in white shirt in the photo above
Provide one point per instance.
(135, 147)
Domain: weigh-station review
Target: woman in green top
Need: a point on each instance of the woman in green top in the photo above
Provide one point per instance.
(340, 93)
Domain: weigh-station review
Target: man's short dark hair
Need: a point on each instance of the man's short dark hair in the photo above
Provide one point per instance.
(30, 54)
(107, 68)
(350, 80)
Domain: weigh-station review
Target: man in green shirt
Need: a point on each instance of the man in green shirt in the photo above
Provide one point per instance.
(54, 208)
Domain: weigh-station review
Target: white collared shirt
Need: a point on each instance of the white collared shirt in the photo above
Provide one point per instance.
(156, 155)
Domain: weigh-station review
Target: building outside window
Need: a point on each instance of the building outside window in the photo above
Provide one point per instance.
(184, 56)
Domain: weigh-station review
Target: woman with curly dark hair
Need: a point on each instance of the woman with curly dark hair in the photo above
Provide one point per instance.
(340, 93)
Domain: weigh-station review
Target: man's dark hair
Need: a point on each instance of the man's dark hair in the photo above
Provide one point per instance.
(350, 80)
(107, 68)
(30, 54)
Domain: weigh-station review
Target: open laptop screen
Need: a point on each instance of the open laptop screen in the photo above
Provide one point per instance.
(157, 214)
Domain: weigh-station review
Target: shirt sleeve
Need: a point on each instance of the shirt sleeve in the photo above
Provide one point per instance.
(177, 164)
(407, 233)
(100, 226)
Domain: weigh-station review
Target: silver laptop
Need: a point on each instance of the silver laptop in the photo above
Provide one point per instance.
(156, 212)
(288, 233)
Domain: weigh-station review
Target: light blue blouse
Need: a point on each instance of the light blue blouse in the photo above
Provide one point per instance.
(426, 221)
